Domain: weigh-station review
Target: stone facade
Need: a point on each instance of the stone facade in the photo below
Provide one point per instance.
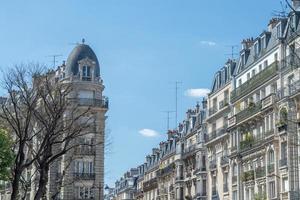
(246, 145)
(83, 166)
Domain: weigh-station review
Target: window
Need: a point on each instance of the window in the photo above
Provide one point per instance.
(256, 48)
(86, 71)
(285, 184)
(253, 73)
(234, 195)
(259, 67)
(266, 63)
(272, 189)
(248, 76)
(240, 82)
(276, 57)
(271, 158)
(278, 30)
(263, 42)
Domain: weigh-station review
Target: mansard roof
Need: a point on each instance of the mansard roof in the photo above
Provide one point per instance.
(223, 76)
(270, 38)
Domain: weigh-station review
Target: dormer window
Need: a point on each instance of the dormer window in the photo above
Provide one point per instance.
(243, 59)
(256, 48)
(278, 30)
(86, 71)
(263, 42)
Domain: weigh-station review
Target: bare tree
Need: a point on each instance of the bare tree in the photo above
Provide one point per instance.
(45, 123)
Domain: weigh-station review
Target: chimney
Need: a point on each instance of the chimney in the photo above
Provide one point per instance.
(272, 24)
(296, 4)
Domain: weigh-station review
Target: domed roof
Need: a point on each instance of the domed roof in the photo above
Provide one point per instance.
(81, 51)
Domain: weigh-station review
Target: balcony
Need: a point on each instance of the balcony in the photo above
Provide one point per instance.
(101, 103)
(281, 127)
(271, 168)
(250, 111)
(167, 170)
(190, 150)
(256, 81)
(150, 185)
(85, 150)
(231, 121)
(248, 176)
(212, 164)
(247, 143)
(214, 134)
(268, 101)
(84, 176)
(283, 162)
(224, 160)
(269, 133)
(260, 172)
(212, 110)
(223, 103)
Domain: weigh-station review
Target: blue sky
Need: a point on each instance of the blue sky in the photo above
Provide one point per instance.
(143, 46)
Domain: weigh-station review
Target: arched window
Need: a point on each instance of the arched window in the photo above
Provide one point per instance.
(271, 157)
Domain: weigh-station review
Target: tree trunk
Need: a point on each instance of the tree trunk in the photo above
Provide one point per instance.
(15, 185)
(43, 181)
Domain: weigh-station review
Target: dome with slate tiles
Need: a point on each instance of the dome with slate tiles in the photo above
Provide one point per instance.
(81, 52)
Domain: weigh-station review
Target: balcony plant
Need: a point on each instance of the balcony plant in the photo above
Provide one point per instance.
(260, 196)
(249, 139)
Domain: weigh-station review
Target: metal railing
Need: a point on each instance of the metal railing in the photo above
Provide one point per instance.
(271, 168)
(257, 80)
(251, 110)
(102, 103)
(283, 162)
(85, 150)
(84, 176)
(260, 172)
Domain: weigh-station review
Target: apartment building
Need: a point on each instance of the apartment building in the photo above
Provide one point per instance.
(244, 143)
(191, 178)
(125, 187)
(217, 143)
(83, 166)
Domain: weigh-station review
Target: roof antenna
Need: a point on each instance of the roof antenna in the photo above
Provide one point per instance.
(83, 40)
(233, 52)
(54, 58)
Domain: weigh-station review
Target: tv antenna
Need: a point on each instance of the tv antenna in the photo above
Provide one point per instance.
(168, 112)
(283, 12)
(177, 83)
(233, 52)
(54, 56)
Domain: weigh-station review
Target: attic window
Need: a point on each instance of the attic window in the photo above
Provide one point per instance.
(243, 59)
(278, 29)
(263, 42)
(256, 48)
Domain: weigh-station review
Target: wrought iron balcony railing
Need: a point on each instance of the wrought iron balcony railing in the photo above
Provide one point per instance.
(251, 110)
(271, 168)
(85, 150)
(248, 176)
(102, 103)
(283, 162)
(260, 172)
(84, 176)
(246, 88)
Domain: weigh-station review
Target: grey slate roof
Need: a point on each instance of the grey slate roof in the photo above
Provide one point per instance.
(80, 52)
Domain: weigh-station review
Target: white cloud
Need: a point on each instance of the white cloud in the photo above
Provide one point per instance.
(208, 43)
(200, 92)
(148, 133)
